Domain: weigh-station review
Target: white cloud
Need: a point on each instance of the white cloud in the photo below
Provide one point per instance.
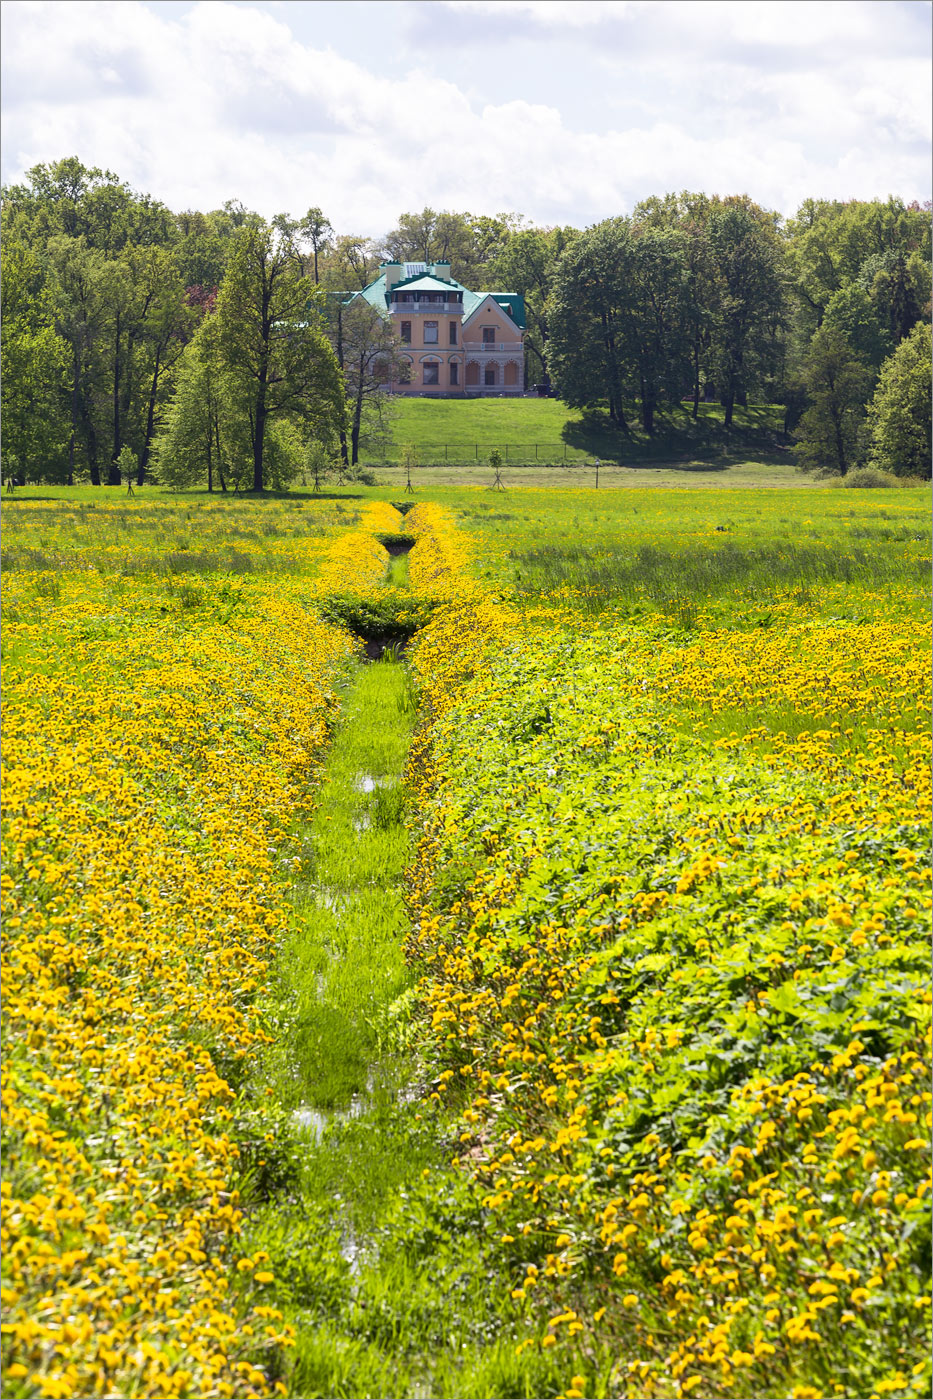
(203, 103)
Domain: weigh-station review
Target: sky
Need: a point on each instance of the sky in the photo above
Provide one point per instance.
(565, 113)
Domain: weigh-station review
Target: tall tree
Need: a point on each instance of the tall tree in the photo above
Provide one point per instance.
(81, 314)
(899, 416)
(316, 228)
(201, 437)
(689, 214)
(748, 265)
(470, 243)
(837, 383)
(371, 358)
(526, 265)
(167, 320)
(586, 317)
(617, 319)
(34, 367)
(272, 341)
(350, 264)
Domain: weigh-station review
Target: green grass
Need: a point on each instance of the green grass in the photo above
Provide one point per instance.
(343, 965)
(545, 431)
(721, 553)
(377, 1244)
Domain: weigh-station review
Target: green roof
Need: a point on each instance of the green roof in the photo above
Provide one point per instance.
(376, 294)
(512, 303)
(425, 282)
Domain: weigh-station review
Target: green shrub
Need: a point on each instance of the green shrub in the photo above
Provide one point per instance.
(869, 476)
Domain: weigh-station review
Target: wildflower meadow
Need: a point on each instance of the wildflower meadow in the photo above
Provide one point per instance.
(474, 945)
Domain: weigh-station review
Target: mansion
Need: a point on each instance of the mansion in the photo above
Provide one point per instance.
(456, 342)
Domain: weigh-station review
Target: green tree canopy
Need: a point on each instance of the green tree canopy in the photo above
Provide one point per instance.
(899, 415)
(838, 382)
(272, 341)
(34, 366)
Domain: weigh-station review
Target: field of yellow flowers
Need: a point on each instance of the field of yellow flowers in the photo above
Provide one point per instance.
(161, 723)
(669, 903)
(672, 900)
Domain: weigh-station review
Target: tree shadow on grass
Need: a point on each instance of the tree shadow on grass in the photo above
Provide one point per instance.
(704, 442)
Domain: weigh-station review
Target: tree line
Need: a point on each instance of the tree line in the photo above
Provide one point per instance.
(218, 348)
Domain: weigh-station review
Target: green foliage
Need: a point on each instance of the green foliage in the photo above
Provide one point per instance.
(870, 477)
(838, 382)
(34, 364)
(852, 312)
(271, 342)
(899, 414)
(392, 613)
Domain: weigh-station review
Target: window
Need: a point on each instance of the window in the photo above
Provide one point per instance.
(489, 335)
(406, 332)
(430, 332)
(430, 374)
(454, 372)
(404, 373)
(490, 374)
(453, 332)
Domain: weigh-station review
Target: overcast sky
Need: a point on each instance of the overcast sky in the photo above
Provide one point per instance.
(566, 113)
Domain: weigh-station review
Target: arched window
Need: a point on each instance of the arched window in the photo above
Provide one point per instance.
(490, 375)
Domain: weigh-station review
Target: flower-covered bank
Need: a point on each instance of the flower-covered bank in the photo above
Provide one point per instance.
(678, 988)
(157, 741)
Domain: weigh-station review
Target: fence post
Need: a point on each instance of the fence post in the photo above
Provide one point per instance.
(445, 451)
(476, 445)
(565, 454)
(536, 452)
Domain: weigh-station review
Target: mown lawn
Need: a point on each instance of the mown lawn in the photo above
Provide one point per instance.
(547, 431)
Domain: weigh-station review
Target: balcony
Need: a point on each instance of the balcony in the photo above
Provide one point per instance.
(513, 347)
(425, 308)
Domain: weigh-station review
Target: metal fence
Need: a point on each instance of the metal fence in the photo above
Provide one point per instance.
(516, 454)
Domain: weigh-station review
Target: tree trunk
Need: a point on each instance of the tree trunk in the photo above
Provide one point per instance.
(696, 380)
(357, 418)
(90, 434)
(210, 464)
(74, 417)
(113, 474)
(840, 443)
(259, 434)
(220, 460)
(648, 403)
(728, 399)
(614, 385)
(150, 421)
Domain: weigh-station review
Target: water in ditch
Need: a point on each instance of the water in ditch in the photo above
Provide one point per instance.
(375, 1239)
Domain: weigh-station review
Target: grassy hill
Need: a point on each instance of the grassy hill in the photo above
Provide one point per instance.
(530, 430)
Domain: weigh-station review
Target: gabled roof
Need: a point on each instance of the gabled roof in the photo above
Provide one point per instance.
(510, 302)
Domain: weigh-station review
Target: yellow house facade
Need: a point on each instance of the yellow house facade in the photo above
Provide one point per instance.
(455, 342)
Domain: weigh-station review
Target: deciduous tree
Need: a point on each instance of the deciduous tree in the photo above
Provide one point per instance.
(838, 383)
(272, 341)
(899, 417)
(34, 368)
